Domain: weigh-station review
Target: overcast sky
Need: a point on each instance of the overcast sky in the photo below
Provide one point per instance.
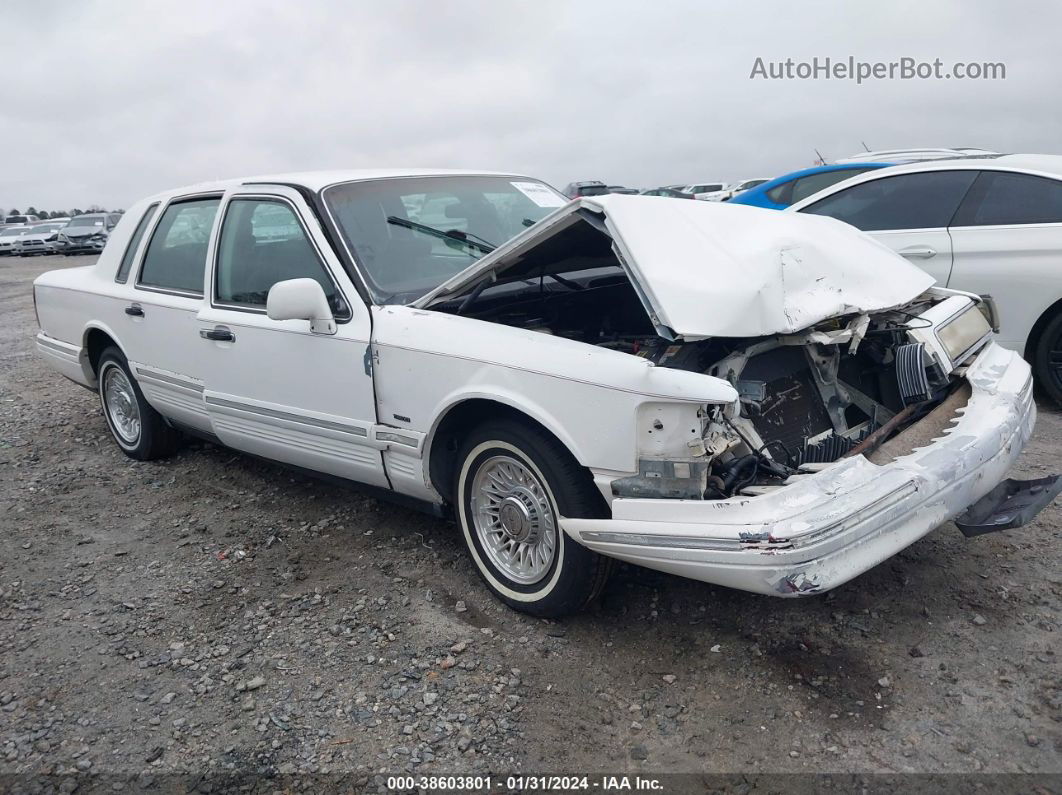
(105, 102)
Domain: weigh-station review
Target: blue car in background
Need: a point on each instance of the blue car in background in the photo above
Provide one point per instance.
(780, 192)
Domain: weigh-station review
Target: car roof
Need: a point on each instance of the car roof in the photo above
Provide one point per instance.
(917, 154)
(806, 172)
(316, 180)
(1048, 164)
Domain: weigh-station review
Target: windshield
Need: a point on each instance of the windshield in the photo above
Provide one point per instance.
(13, 232)
(409, 235)
(45, 228)
(87, 220)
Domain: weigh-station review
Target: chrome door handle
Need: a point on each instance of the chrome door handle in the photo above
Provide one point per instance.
(218, 334)
(917, 252)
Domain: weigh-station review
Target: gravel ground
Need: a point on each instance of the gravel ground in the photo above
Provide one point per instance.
(214, 613)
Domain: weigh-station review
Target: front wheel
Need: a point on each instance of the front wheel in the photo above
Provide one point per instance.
(1047, 359)
(513, 485)
(138, 429)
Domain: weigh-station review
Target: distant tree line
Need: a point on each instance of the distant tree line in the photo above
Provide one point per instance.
(42, 214)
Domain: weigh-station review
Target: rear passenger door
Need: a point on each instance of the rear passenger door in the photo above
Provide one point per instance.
(159, 324)
(1007, 238)
(275, 388)
(909, 213)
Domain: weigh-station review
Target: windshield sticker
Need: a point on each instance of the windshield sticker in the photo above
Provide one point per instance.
(540, 194)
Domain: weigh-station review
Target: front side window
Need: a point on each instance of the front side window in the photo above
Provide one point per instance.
(262, 242)
(410, 235)
(134, 244)
(927, 200)
(176, 254)
(1005, 198)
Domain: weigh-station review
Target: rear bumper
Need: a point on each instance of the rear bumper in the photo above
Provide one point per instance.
(824, 529)
(68, 360)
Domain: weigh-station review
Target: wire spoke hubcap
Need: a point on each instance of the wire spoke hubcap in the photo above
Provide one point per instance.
(514, 519)
(120, 403)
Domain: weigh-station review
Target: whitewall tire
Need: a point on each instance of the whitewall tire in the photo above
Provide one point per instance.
(139, 431)
(513, 485)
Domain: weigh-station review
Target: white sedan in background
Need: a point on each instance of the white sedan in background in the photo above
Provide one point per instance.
(37, 239)
(735, 396)
(8, 236)
(987, 225)
(744, 185)
(708, 191)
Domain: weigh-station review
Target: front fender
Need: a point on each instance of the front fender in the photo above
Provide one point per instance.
(587, 396)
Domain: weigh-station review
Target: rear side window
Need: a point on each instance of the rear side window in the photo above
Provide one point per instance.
(927, 200)
(134, 244)
(176, 254)
(262, 243)
(1001, 197)
(813, 183)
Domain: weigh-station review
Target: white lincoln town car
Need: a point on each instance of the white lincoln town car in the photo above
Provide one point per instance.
(767, 401)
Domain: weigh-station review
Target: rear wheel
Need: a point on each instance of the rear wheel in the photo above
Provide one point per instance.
(513, 485)
(1047, 359)
(138, 429)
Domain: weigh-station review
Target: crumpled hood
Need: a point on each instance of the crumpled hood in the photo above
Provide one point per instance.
(711, 269)
(715, 270)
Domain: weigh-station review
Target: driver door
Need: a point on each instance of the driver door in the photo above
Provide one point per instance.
(275, 388)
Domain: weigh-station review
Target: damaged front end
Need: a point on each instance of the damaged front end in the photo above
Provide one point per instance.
(872, 406)
(844, 387)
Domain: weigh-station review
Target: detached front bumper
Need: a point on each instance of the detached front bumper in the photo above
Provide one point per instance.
(826, 528)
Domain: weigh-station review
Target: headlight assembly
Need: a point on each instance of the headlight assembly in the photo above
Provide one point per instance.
(960, 334)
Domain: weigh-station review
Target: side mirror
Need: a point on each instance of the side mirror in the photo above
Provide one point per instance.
(301, 299)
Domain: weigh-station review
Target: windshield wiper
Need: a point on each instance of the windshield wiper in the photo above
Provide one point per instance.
(452, 234)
